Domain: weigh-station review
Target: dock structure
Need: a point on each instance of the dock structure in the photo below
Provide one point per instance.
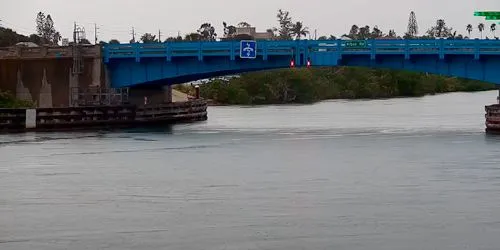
(101, 117)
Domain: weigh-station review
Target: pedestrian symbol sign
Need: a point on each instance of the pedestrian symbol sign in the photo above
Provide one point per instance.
(248, 49)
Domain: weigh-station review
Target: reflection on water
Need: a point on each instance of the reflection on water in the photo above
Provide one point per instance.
(415, 173)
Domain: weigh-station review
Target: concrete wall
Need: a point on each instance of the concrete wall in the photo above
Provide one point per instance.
(47, 80)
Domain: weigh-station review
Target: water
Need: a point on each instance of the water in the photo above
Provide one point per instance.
(415, 173)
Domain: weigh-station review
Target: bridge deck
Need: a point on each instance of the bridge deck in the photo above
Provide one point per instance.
(265, 49)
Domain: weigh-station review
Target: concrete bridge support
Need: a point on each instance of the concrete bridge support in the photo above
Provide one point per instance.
(45, 76)
(150, 95)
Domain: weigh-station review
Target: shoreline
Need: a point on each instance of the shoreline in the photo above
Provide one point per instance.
(212, 103)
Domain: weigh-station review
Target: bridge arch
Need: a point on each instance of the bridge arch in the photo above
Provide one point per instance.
(177, 62)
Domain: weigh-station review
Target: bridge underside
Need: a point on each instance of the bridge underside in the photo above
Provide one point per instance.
(158, 71)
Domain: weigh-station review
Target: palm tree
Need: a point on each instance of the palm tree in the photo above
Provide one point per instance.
(493, 27)
(299, 30)
(481, 28)
(440, 26)
(469, 28)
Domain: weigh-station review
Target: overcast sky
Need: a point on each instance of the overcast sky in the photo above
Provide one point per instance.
(115, 18)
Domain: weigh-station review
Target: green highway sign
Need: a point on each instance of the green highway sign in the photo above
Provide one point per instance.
(355, 43)
(492, 18)
(487, 13)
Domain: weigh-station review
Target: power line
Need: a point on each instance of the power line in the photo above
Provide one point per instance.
(15, 27)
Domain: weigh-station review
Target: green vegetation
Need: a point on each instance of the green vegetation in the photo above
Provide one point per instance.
(316, 84)
(297, 85)
(46, 33)
(7, 100)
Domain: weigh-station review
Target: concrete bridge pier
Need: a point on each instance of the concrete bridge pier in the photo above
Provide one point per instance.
(141, 95)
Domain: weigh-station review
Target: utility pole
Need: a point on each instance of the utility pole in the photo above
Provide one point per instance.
(74, 33)
(315, 34)
(159, 36)
(133, 34)
(95, 33)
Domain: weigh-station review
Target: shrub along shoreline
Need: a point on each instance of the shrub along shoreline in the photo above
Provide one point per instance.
(303, 86)
(7, 100)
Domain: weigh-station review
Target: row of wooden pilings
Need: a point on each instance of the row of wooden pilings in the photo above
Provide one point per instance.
(493, 117)
(89, 117)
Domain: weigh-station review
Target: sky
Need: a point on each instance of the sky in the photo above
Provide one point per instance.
(115, 18)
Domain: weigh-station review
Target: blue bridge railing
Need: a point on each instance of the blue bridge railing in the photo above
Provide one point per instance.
(265, 49)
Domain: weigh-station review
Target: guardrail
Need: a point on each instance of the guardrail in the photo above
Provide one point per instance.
(270, 48)
(44, 52)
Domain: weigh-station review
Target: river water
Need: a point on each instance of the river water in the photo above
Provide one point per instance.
(413, 173)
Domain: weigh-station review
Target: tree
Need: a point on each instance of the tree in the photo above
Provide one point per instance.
(229, 30)
(207, 32)
(40, 24)
(193, 37)
(114, 41)
(412, 30)
(376, 33)
(480, 27)
(323, 38)
(8, 37)
(440, 30)
(392, 34)
(493, 27)
(174, 39)
(353, 33)
(299, 30)
(148, 38)
(34, 38)
(285, 25)
(46, 30)
(244, 25)
(364, 32)
(469, 28)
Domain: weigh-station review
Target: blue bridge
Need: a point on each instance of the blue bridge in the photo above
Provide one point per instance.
(178, 62)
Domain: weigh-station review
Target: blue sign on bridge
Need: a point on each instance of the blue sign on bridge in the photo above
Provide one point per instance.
(248, 49)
